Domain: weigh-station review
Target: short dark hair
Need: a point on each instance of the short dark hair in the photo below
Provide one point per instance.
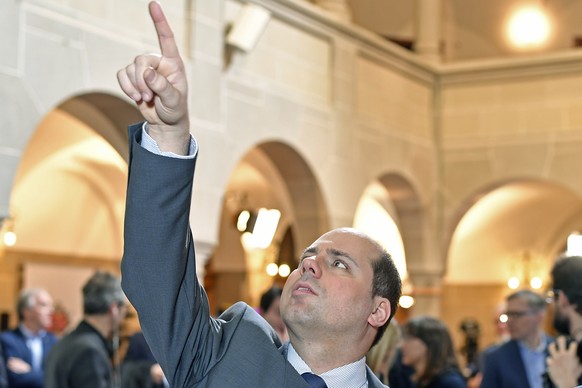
(567, 277)
(386, 283)
(100, 291)
(440, 353)
(269, 297)
(535, 302)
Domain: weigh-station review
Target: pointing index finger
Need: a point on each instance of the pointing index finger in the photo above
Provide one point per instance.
(165, 35)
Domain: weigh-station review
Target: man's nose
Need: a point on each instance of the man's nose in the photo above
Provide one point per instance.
(311, 266)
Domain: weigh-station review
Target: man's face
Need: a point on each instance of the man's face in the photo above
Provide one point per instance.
(414, 351)
(523, 323)
(39, 315)
(330, 293)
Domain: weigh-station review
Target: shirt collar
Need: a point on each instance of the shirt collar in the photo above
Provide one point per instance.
(30, 334)
(350, 375)
(541, 348)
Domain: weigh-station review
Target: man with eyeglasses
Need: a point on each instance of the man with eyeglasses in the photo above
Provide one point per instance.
(565, 361)
(520, 362)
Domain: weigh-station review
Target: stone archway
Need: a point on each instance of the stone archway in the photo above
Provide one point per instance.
(272, 175)
(68, 196)
(395, 219)
(494, 231)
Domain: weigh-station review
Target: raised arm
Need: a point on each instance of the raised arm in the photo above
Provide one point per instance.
(157, 83)
(158, 266)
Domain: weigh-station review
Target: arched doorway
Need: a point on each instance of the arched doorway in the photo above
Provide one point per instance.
(68, 199)
(514, 228)
(272, 175)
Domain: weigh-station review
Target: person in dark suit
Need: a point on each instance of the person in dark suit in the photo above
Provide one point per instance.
(565, 360)
(83, 358)
(3, 372)
(335, 305)
(521, 361)
(139, 368)
(26, 347)
(428, 348)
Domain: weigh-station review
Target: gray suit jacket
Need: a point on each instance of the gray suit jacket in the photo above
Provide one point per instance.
(239, 349)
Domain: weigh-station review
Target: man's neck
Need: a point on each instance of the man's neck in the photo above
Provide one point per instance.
(533, 341)
(30, 328)
(99, 323)
(322, 358)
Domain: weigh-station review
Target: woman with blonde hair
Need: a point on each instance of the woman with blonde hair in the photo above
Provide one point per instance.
(381, 357)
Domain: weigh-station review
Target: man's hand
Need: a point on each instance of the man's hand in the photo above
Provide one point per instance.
(18, 365)
(158, 85)
(156, 374)
(564, 367)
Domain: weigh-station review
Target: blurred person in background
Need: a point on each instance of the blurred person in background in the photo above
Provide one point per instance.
(269, 305)
(521, 361)
(26, 347)
(381, 357)
(140, 369)
(3, 372)
(427, 347)
(84, 357)
(565, 356)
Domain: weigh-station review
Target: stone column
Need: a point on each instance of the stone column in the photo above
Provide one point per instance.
(428, 30)
(339, 8)
(427, 291)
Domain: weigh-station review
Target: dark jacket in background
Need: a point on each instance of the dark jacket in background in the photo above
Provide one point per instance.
(82, 359)
(135, 369)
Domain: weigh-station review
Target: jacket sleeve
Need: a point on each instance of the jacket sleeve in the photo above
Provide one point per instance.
(158, 265)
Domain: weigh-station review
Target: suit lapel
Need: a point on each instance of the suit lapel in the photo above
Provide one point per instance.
(518, 364)
(27, 351)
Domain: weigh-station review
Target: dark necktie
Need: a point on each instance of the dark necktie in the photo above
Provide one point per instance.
(314, 380)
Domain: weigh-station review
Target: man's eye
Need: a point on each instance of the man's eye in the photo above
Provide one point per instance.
(340, 264)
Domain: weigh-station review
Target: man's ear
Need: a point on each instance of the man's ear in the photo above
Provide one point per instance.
(381, 312)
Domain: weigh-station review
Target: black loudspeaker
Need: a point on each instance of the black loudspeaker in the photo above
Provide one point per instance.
(4, 320)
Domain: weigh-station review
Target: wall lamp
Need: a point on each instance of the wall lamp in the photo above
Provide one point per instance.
(258, 228)
(7, 231)
(248, 27)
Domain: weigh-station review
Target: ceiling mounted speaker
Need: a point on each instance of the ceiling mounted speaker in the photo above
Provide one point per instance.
(248, 26)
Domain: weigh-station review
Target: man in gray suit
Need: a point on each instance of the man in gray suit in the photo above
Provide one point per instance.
(336, 304)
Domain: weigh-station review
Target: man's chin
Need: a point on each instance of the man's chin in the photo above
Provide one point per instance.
(298, 314)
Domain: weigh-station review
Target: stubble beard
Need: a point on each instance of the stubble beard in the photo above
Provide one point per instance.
(561, 323)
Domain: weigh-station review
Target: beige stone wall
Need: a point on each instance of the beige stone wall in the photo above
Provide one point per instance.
(511, 125)
(353, 107)
(506, 122)
(477, 302)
